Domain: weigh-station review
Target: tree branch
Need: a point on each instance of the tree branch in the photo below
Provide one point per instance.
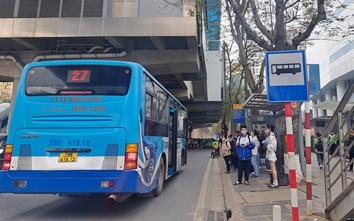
(291, 5)
(237, 35)
(251, 35)
(259, 23)
(321, 15)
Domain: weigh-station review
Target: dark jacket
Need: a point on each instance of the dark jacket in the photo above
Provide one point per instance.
(350, 140)
(244, 153)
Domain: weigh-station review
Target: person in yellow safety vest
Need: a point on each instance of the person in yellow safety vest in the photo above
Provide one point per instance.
(334, 144)
(215, 146)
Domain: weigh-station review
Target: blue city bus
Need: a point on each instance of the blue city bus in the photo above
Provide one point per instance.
(88, 127)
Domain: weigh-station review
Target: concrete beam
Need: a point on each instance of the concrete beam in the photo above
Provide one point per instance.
(192, 42)
(181, 95)
(172, 77)
(158, 42)
(118, 43)
(25, 43)
(181, 82)
(207, 106)
(158, 62)
(196, 115)
(203, 123)
(199, 90)
(95, 27)
(166, 61)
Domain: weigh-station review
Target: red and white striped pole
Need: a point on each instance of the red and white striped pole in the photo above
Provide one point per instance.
(308, 159)
(291, 156)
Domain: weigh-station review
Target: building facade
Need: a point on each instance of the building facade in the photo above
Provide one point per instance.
(335, 57)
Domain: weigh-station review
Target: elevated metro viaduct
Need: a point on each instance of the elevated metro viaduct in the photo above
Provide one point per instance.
(171, 46)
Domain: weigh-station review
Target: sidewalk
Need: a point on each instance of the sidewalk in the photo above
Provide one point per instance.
(255, 202)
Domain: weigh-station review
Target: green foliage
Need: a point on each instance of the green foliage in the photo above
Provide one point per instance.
(197, 10)
(6, 100)
(216, 128)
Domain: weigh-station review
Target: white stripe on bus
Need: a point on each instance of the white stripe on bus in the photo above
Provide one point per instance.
(51, 163)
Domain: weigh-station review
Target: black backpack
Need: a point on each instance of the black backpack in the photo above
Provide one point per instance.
(239, 138)
(232, 144)
(319, 144)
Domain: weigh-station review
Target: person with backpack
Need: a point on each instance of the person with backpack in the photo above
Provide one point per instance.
(244, 146)
(318, 147)
(226, 151)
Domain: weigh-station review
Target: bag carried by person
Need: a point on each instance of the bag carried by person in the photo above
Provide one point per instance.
(319, 146)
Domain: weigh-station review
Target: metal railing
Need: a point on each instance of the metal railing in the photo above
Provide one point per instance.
(339, 121)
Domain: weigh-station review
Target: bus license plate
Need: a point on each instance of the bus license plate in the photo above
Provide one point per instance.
(67, 157)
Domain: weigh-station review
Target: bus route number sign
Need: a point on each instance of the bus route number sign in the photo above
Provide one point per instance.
(67, 157)
(78, 76)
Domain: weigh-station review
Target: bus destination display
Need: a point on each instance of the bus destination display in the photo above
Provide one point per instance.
(78, 76)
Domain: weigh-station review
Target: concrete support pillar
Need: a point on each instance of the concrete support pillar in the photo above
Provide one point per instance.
(320, 112)
(328, 95)
(340, 89)
(314, 110)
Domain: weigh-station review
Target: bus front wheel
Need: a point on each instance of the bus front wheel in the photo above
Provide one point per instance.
(160, 179)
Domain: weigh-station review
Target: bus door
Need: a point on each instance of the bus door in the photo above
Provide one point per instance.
(186, 132)
(172, 148)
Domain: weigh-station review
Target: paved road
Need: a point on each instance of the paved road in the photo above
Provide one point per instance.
(177, 202)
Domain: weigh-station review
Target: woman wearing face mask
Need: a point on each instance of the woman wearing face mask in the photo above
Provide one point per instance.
(271, 145)
(255, 154)
(244, 146)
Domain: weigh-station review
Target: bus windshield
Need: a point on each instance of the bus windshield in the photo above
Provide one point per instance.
(82, 79)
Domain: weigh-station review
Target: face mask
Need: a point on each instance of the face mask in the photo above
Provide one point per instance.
(266, 132)
(243, 132)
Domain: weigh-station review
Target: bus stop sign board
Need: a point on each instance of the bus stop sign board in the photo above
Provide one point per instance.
(286, 76)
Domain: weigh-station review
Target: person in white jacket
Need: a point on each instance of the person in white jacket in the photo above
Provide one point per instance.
(271, 144)
(254, 161)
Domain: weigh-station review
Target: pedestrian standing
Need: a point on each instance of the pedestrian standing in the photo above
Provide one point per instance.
(255, 154)
(244, 146)
(234, 158)
(318, 148)
(226, 153)
(333, 140)
(271, 145)
(351, 151)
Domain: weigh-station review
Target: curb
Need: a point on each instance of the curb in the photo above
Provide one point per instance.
(199, 212)
(230, 196)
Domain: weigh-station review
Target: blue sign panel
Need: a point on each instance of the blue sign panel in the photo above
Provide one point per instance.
(213, 17)
(286, 76)
(239, 116)
(314, 74)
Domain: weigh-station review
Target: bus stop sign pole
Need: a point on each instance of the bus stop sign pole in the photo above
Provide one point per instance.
(291, 156)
